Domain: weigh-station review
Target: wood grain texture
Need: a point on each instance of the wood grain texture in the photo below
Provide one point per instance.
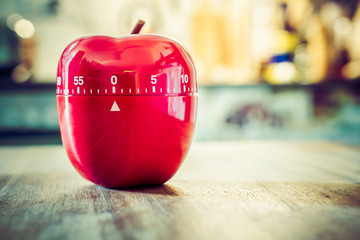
(224, 190)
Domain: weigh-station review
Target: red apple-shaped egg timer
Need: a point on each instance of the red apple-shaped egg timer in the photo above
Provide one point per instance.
(127, 107)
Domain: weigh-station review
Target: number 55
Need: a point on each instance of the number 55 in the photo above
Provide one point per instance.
(78, 80)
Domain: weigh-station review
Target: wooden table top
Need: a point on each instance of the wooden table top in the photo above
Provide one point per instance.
(224, 190)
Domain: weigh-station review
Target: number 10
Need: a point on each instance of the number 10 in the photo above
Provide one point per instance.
(184, 78)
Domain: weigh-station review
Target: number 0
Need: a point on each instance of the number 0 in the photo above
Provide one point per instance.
(113, 79)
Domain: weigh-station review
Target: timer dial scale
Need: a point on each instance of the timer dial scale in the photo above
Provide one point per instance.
(127, 107)
(125, 75)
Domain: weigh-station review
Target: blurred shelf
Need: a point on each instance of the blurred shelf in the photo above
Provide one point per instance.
(34, 101)
(28, 87)
(330, 83)
(29, 138)
(7, 84)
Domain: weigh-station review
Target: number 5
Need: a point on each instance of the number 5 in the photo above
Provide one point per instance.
(153, 79)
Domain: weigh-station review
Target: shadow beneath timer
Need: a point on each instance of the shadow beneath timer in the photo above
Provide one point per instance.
(164, 189)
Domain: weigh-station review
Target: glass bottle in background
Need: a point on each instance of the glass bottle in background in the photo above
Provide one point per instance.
(222, 43)
(337, 25)
(281, 68)
(326, 32)
(240, 61)
(351, 70)
(318, 50)
(208, 41)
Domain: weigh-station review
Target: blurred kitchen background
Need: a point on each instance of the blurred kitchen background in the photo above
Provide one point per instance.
(267, 69)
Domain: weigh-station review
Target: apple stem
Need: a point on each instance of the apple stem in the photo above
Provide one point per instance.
(138, 27)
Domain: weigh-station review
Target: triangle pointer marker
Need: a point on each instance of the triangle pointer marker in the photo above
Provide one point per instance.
(115, 108)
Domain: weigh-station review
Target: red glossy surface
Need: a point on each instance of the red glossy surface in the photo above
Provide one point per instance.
(145, 137)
